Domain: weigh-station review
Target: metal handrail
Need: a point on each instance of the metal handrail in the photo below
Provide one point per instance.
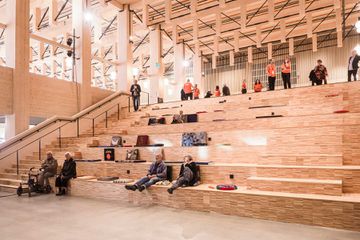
(54, 119)
(76, 118)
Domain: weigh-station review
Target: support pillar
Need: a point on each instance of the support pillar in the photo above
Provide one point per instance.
(83, 51)
(124, 69)
(197, 66)
(156, 66)
(17, 57)
(179, 52)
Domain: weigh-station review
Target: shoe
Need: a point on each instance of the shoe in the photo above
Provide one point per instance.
(141, 188)
(170, 190)
(130, 187)
(60, 193)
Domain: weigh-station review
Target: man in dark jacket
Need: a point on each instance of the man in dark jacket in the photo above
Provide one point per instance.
(353, 65)
(49, 168)
(188, 175)
(226, 90)
(135, 90)
(68, 172)
(157, 172)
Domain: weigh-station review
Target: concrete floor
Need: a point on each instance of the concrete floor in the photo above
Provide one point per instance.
(49, 217)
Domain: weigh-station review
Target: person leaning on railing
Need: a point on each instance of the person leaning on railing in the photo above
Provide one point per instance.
(68, 172)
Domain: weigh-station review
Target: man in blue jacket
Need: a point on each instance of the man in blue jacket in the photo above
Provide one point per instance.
(157, 172)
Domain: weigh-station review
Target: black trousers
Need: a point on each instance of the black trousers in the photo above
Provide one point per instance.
(286, 80)
(136, 100)
(62, 182)
(353, 73)
(271, 83)
(188, 95)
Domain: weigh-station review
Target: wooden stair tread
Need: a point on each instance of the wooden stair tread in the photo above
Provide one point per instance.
(297, 180)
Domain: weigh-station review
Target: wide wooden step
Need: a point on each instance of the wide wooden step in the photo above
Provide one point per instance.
(11, 182)
(296, 185)
(14, 176)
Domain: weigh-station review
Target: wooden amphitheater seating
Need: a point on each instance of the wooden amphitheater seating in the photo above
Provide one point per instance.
(303, 167)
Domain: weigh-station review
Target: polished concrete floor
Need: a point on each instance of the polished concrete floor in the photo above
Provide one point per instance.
(49, 217)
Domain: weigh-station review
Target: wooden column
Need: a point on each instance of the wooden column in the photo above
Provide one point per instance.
(83, 51)
(124, 69)
(17, 57)
(156, 65)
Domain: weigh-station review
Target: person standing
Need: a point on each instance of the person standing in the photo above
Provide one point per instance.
(188, 87)
(226, 90)
(321, 72)
(135, 91)
(353, 65)
(196, 92)
(271, 73)
(243, 87)
(286, 73)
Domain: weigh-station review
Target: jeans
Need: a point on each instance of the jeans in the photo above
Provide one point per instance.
(147, 182)
(353, 73)
(286, 80)
(185, 179)
(271, 83)
(136, 100)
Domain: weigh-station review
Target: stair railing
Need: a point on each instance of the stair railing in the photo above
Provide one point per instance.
(56, 124)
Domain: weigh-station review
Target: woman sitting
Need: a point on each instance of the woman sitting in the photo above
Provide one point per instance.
(217, 92)
(188, 175)
(68, 172)
(258, 86)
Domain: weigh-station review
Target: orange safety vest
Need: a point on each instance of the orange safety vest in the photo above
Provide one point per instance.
(271, 70)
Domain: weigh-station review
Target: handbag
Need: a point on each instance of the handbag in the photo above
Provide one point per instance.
(142, 140)
(192, 118)
(116, 141)
(132, 154)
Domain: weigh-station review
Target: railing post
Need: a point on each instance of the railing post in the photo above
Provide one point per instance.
(93, 126)
(40, 149)
(106, 119)
(129, 104)
(148, 97)
(17, 162)
(118, 111)
(60, 138)
(78, 127)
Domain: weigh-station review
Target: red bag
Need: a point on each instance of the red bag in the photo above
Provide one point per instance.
(142, 141)
(226, 187)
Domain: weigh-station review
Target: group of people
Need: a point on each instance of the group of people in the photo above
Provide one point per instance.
(157, 172)
(49, 169)
(317, 76)
(192, 92)
(189, 91)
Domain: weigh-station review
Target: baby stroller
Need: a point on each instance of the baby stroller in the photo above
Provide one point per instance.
(33, 185)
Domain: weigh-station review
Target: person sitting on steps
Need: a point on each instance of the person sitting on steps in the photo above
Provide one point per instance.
(157, 172)
(68, 172)
(49, 168)
(188, 175)
(179, 118)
